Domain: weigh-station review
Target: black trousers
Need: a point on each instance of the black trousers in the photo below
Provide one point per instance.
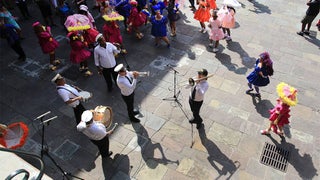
(78, 110)
(129, 100)
(103, 146)
(192, 3)
(195, 108)
(108, 74)
(16, 46)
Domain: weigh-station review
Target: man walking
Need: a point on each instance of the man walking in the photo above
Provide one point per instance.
(197, 95)
(311, 14)
(105, 61)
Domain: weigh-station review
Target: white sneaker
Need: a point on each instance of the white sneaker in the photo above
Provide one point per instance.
(211, 45)
(215, 50)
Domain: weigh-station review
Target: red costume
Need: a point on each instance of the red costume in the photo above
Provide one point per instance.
(136, 18)
(47, 42)
(111, 32)
(203, 12)
(78, 52)
(280, 109)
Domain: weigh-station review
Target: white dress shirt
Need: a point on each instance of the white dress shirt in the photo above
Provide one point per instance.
(95, 130)
(124, 84)
(201, 89)
(104, 57)
(67, 92)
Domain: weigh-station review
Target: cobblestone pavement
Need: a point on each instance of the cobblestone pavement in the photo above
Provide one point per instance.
(229, 145)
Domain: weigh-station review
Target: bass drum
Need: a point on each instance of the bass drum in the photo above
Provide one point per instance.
(103, 114)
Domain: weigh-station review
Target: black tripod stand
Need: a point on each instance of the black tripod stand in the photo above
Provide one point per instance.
(45, 149)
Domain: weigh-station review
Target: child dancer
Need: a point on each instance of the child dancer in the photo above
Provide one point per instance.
(202, 14)
(111, 33)
(279, 115)
(226, 15)
(159, 27)
(79, 54)
(136, 19)
(47, 42)
(216, 32)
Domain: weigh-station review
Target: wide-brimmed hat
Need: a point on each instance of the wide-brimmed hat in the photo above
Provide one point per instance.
(287, 94)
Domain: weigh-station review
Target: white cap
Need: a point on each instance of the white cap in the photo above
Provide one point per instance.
(119, 67)
(98, 37)
(58, 76)
(86, 116)
(83, 7)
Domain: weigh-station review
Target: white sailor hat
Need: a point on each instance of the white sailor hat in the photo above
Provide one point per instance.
(119, 68)
(86, 116)
(83, 7)
(98, 37)
(57, 77)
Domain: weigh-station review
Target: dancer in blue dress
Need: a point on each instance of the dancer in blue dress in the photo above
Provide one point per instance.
(159, 28)
(260, 75)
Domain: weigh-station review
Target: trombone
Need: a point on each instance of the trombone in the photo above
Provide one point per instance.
(193, 80)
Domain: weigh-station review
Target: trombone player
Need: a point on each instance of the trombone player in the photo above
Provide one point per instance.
(197, 95)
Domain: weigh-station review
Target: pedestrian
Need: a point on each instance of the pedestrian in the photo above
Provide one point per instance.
(192, 7)
(104, 58)
(197, 95)
(46, 12)
(96, 132)
(173, 16)
(279, 115)
(226, 16)
(9, 32)
(10, 19)
(123, 8)
(260, 75)
(84, 11)
(70, 95)
(159, 28)
(311, 14)
(216, 32)
(202, 14)
(112, 34)
(79, 54)
(127, 81)
(23, 7)
(105, 8)
(157, 5)
(136, 19)
(47, 42)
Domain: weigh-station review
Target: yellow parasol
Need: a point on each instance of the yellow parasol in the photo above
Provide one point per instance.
(113, 16)
(287, 94)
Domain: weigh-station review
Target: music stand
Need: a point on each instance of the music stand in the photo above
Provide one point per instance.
(45, 149)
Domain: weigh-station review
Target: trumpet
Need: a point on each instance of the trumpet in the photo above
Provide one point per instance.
(144, 74)
(193, 80)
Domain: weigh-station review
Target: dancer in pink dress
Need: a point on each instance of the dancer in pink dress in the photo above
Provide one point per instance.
(79, 54)
(136, 19)
(279, 115)
(47, 42)
(216, 32)
(111, 33)
(226, 16)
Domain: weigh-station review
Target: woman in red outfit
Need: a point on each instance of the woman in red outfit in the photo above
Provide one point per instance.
(47, 42)
(136, 19)
(202, 14)
(111, 33)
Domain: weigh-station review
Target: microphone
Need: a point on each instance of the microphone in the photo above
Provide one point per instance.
(42, 115)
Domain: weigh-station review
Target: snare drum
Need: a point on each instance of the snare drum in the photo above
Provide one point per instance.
(103, 114)
(85, 95)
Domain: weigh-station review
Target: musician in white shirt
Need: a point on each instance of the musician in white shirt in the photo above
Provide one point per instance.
(70, 95)
(96, 132)
(127, 81)
(105, 61)
(197, 95)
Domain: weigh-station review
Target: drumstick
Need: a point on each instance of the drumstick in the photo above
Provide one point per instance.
(115, 125)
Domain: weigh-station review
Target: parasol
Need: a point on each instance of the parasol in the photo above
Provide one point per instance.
(287, 94)
(113, 16)
(14, 136)
(77, 22)
(232, 3)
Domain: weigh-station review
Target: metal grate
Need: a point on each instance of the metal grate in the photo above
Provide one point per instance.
(275, 157)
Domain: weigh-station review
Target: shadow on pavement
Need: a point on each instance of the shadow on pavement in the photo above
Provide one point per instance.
(262, 106)
(259, 8)
(116, 168)
(215, 155)
(302, 164)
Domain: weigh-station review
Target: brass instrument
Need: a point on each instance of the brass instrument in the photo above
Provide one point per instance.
(144, 74)
(193, 80)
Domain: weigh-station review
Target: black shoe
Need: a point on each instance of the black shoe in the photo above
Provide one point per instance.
(110, 153)
(192, 121)
(300, 33)
(135, 120)
(199, 125)
(136, 112)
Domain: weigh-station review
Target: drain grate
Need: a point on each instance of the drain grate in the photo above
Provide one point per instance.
(275, 157)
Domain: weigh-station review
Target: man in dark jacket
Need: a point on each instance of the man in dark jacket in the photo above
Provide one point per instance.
(312, 12)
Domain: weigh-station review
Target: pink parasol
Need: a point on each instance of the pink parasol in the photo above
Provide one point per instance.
(77, 22)
(13, 136)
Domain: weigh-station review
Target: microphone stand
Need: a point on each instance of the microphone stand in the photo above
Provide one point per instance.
(175, 93)
(45, 149)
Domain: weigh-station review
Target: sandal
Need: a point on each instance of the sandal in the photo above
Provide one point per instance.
(88, 73)
(249, 90)
(52, 67)
(258, 95)
(264, 132)
(56, 62)
(280, 133)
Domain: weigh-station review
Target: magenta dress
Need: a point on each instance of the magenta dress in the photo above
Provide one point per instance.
(216, 32)
(46, 44)
(112, 33)
(284, 110)
(136, 18)
(78, 52)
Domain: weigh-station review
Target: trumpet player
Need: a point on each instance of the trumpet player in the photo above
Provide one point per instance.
(127, 81)
(197, 95)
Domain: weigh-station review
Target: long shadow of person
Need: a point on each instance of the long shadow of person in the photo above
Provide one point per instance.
(259, 8)
(262, 106)
(148, 148)
(246, 60)
(303, 164)
(225, 60)
(312, 39)
(116, 168)
(216, 156)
